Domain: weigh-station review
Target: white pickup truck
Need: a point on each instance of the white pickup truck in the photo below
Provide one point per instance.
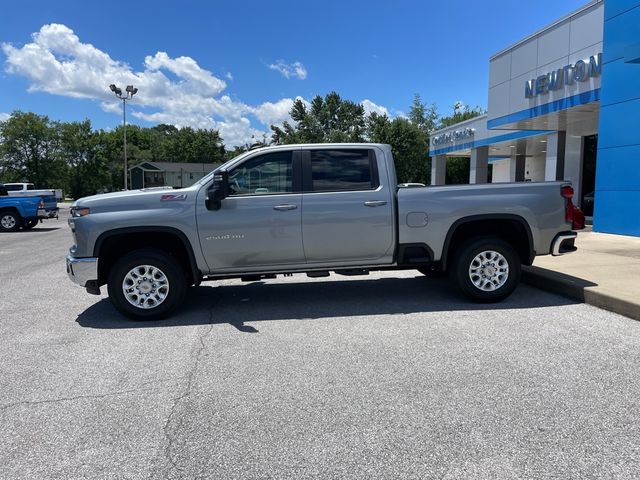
(312, 209)
(20, 189)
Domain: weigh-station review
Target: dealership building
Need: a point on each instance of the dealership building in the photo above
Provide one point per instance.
(563, 104)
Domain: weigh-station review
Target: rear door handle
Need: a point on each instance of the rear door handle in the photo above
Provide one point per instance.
(284, 207)
(375, 203)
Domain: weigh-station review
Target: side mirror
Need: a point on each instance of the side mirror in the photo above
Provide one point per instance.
(218, 191)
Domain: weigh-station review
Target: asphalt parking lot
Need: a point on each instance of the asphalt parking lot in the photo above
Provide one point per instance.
(386, 376)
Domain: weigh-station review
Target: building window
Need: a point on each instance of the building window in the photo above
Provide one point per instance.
(154, 179)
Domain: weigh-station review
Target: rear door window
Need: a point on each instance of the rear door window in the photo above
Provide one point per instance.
(343, 170)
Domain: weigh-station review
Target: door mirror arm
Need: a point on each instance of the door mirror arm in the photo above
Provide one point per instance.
(218, 191)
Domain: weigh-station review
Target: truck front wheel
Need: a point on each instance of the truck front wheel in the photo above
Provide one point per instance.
(487, 269)
(147, 284)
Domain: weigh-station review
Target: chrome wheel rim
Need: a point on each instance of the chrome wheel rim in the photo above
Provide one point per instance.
(145, 287)
(8, 221)
(489, 271)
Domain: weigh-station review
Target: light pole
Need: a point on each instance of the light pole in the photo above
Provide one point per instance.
(131, 91)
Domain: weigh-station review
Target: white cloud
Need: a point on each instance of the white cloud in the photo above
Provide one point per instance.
(288, 70)
(370, 107)
(194, 79)
(275, 113)
(57, 62)
(175, 91)
(4, 116)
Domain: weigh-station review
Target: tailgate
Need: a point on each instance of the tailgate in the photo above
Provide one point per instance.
(50, 202)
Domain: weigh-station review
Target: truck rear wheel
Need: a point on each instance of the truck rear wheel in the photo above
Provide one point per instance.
(29, 224)
(9, 221)
(487, 269)
(147, 284)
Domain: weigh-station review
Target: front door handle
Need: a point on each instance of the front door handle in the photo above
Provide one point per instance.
(375, 203)
(284, 207)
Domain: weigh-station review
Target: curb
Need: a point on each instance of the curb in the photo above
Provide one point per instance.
(578, 289)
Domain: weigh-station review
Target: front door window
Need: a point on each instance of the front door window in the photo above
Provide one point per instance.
(267, 174)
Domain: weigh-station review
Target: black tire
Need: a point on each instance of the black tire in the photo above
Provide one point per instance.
(10, 221)
(494, 287)
(428, 272)
(29, 224)
(168, 266)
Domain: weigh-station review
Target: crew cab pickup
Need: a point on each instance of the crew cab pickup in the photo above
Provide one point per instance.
(312, 209)
(25, 212)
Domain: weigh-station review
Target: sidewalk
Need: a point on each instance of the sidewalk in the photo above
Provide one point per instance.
(604, 272)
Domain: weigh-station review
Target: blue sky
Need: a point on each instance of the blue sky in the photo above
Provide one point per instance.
(237, 66)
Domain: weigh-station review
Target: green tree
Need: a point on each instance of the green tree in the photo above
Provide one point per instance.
(327, 120)
(333, 119)
(235, 151)
(409, 145)
(82, 161)
(460, 113)
(203, 146)
(166, 143)
(28, 151)
(424, 116)
(80, 149)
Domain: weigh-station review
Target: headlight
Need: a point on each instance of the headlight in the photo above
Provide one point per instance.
(79, 211)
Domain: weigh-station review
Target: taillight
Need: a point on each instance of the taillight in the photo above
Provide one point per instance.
(578, 218)
(40, 204)
(566, 191)
(572, 214)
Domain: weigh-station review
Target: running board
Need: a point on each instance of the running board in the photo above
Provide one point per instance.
(255, 278)
(350, 272)
(318, 274)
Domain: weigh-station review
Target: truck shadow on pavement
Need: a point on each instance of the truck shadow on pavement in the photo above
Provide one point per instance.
(239, 304)
(40, 229)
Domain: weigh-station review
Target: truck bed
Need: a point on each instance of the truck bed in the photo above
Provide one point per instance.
(539, 204)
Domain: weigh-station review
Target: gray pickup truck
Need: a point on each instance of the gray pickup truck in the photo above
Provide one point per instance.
(312, 209)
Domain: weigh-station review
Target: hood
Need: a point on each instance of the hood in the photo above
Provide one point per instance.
(120, 194)
(132, 199)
